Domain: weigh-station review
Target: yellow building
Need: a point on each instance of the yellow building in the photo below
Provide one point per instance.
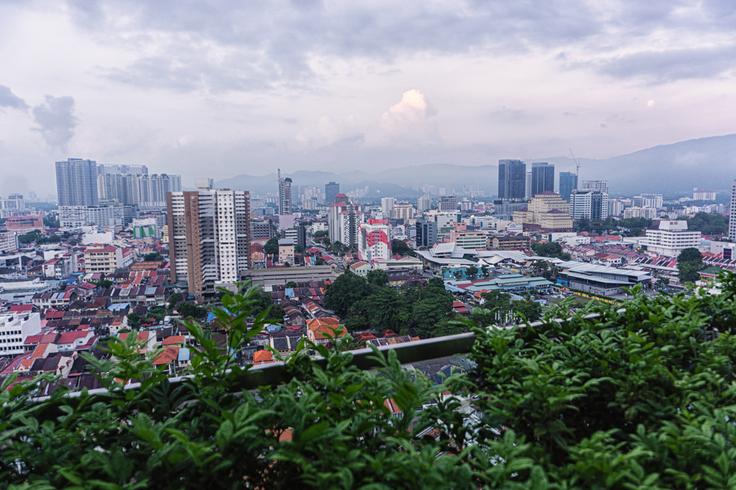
(546, 212)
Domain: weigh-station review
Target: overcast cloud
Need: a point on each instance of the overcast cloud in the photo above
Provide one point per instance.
(218, 88)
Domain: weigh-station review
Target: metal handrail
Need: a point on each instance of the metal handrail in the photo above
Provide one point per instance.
(277, 372)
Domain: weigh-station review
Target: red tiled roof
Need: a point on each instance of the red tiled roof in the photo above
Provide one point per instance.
(21, 308)
(54, 314)
(324, 328)
(70, 337)
(262, 356)
(33, 339)
(142, 336)
(168, 356)
(174, 340)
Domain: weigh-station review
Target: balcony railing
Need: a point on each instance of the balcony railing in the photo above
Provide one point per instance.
(275, 373)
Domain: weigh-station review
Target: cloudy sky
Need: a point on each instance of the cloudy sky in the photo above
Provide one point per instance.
(218, 88)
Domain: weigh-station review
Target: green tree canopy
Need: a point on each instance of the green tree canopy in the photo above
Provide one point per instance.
(600, 398)
(399, 247)
(347, 289)
(377, 277)
(272, 246)
(689, 262)
(708, 223)
(152, 257)
(550, 249)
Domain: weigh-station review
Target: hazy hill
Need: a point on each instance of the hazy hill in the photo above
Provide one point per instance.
(708, 163)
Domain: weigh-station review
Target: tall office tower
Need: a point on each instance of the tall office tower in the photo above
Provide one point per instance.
(595, 185)
(284, 194)
(589, 204)
(76, 182)
(343, 220)
(424, 203)
(426, 232)
(374, 242)
(332, 189)
(732, 220)
(387, 206)
(209, 238)
(568, 183)
(511, 179)
(447, 203)
(543, 178)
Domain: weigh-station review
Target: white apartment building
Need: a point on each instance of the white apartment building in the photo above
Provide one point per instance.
(403, 211)
(589, 204)
(703, 195)
(671, 238)
(106, 259)
(471, 240)
(374, 241)
(424, 203)
(595, 185)
(102, 216)
(616, 207)
(8, 242)
(732, 216)
(387, 206)
(639, 212)
(209, 238)
(655, 201)
(343, 219)
(231, 240)
(14, 328)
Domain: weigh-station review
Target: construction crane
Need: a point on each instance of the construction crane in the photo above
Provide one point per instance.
(577, 163)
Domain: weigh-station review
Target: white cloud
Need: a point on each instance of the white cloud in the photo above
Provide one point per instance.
(411, 117)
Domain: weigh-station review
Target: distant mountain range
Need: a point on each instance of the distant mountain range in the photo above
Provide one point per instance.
(707, 163)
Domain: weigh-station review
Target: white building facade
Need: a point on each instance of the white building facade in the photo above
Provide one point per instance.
(14, 328)
(671, 238)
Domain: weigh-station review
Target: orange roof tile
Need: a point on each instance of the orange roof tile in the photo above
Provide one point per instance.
(168, 356)
(262, 356)
(174, 340)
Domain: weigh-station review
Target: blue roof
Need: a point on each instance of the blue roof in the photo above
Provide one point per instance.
(183, 354)
(118, 306)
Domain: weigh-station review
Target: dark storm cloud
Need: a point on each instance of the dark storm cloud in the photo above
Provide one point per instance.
(56, 120)
(9, 99)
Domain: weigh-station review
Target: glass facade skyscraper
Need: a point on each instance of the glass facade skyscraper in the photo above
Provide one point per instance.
(543, 178)
(568, 183)
(511, 179)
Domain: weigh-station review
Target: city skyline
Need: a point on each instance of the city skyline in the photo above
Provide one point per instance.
(603, 80)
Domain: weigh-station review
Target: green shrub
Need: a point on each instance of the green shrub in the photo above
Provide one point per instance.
(640, 399)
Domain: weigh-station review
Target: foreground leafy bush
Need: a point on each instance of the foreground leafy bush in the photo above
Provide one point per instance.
(639, 399)
(643, 399)
(328, 427)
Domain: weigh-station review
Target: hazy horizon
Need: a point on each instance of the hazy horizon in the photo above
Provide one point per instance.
(218, 89)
